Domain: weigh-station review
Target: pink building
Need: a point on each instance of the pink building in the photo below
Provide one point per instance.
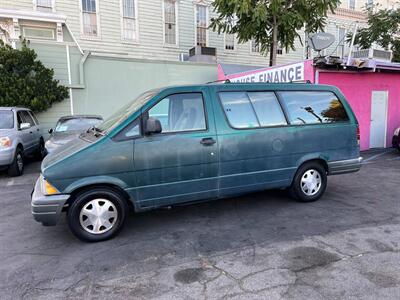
(373, 90)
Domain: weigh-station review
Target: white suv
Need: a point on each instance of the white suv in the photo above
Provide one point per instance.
(20, 135)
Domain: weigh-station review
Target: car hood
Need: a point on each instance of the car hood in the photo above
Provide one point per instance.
(6, 132)
(60, 153)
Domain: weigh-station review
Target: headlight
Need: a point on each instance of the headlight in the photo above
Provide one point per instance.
(397, 131)
(47, 187)
(5, 142)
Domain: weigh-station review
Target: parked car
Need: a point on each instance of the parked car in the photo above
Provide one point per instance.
(69, 128)
(396, 139)
(215, 141)
(20, 135)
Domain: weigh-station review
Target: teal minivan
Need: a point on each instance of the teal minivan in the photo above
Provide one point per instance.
(184, 144)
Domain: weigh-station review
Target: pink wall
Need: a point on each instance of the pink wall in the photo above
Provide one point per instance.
(358, 87)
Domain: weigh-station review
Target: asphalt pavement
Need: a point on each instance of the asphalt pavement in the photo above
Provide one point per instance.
(259, 246)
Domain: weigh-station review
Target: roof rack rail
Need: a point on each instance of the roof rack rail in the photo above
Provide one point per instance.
(301, 81)
(264, 82)
(220, 80)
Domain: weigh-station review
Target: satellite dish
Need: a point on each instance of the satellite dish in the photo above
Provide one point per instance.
(320, 41)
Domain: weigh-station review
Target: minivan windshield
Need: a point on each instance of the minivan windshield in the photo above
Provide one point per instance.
(124, 112)
(6, 119)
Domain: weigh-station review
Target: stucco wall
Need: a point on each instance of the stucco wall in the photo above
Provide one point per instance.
(358, 87)
(110, 82)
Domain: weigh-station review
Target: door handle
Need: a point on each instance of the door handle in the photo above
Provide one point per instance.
(207, 141)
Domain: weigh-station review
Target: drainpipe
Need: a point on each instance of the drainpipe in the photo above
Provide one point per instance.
(82, 70)
(73, 38)
(84, 56)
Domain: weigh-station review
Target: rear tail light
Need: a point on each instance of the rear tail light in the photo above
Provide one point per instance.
(358, 135)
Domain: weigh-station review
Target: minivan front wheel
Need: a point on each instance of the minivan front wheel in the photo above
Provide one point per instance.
(309, 183)
(97, 215)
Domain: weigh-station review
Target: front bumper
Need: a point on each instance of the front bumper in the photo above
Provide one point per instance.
(344, 166)
(396, 141)
(47, 209)
(6, 156)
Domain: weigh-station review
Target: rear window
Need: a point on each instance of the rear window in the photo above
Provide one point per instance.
(252, 109)
(304, 107)
(78, 124)
(6, 119)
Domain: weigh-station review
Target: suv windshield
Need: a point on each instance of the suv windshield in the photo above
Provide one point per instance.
(118, 117)
(6, 119)
(78, 124)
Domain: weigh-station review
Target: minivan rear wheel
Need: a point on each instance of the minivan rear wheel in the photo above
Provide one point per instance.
(97, 214)
(309, 183)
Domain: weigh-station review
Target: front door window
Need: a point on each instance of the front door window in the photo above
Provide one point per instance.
(180, 112)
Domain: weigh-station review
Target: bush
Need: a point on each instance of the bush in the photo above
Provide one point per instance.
(25, 81)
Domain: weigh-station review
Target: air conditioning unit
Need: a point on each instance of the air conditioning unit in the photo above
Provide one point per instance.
(379, 55)
(203, 54)
(183, 56)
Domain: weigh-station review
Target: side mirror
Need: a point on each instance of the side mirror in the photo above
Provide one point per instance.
(24, 126)
(51, 130)
(153, 126)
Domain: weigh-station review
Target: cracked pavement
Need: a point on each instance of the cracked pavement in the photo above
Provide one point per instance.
(258, 246)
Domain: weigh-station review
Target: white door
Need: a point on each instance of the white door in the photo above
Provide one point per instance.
(379, 104)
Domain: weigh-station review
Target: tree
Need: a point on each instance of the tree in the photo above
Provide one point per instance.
(271, 22)
(25, 81)
(383, 28)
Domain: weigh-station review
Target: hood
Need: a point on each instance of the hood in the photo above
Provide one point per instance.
(7, 132)
(71, 147)
(62, 138)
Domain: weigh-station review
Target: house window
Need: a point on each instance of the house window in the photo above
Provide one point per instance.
(89, 17)
(44, 5)
(352, 4)
(40, 33)
(342, 42)
(129, 20)
(255, 47)
(229, 41)
(279, 50)
(201, 25)
(170, 22)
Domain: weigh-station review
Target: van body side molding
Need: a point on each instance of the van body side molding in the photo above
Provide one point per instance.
(344, 166)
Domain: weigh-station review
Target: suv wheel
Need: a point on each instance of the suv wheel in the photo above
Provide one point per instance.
(17, 166)
(97, 215)
(41, 152)
(309, 183)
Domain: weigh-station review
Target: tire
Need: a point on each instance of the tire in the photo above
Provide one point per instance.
(85, 221)
(41, 152)
(17, 166)
(309, 183)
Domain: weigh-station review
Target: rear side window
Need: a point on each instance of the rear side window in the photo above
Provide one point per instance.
(267, 108)
(34, 117)
(252, 109)
(314, 107)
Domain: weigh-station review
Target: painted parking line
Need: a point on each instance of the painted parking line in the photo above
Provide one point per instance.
(10, 182)
(377, 155)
